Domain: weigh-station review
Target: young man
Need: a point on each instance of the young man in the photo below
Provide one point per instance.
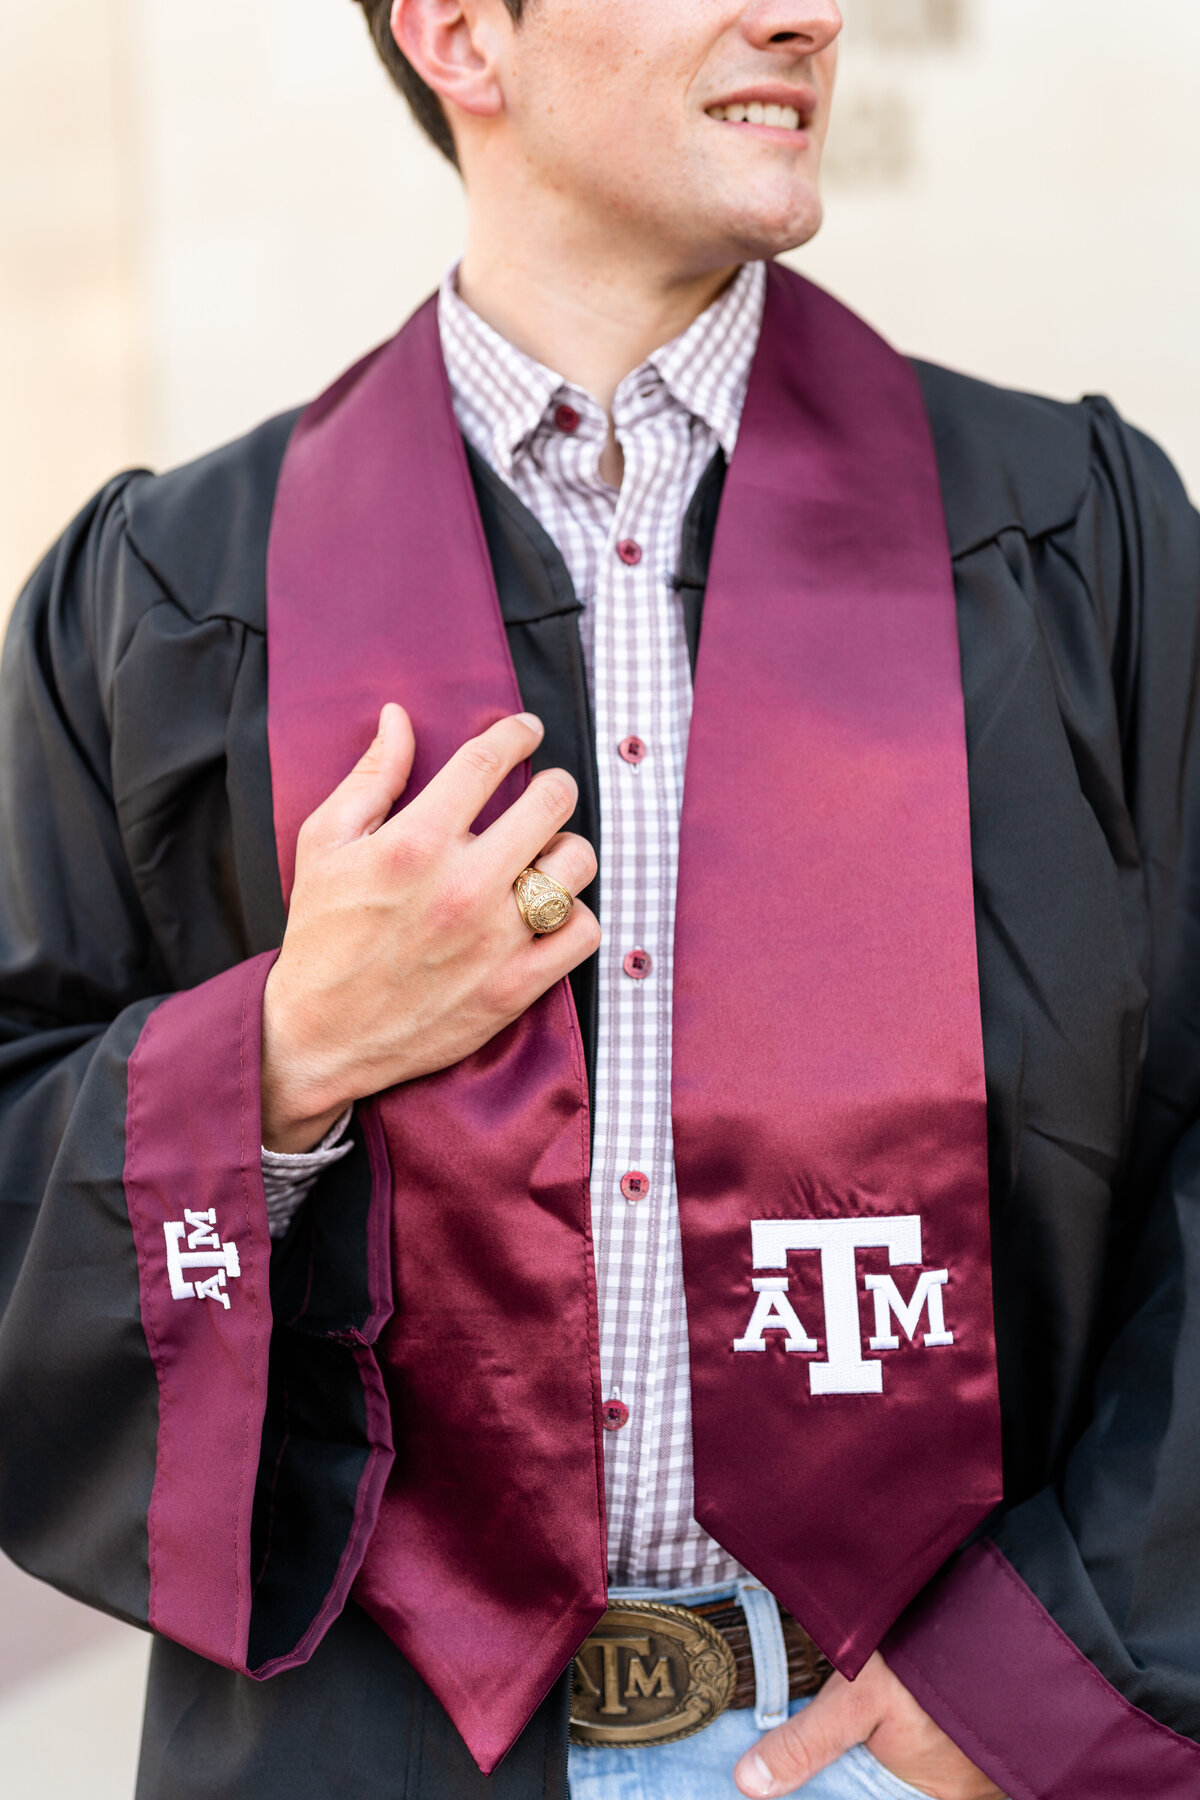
(493, 1288)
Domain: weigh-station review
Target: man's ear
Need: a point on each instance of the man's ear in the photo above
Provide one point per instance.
(453, 46)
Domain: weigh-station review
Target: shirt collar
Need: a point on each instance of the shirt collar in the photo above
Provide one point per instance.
(707, 368)
(501, 394)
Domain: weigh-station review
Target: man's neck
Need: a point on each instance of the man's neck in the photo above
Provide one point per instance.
(593, 319)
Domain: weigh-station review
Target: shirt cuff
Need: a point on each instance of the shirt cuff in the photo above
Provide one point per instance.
(289, 1176)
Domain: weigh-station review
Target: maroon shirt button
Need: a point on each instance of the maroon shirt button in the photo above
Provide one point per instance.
(637, 965)
(614, 1414)
(635, 1185)
(566, 418)
(629, 551)
(633, 750)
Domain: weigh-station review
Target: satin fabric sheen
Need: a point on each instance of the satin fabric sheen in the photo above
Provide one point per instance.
(487, 1566)
(1022, 1699)
(828, 1058)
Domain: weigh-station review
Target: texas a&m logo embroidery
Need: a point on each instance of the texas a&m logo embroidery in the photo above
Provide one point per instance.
(844, 1369)
(204, 1251)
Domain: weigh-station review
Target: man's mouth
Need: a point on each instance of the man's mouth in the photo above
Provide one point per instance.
(775, 107)
(782, 118)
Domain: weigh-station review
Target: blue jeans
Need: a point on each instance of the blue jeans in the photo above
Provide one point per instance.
(701, 1768)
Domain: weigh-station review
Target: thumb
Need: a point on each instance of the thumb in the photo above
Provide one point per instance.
(360, 803)
(805, 1744)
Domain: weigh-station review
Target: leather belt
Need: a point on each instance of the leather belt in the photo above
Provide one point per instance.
(651, 1674)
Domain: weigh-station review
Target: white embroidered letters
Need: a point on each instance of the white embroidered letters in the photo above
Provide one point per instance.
(203, 1228)
(926, 1294)
(844, 1369)
(773, 1311)
(205, 1251)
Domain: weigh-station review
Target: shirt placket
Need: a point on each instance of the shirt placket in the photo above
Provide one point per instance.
(545, 437)
(636, 628)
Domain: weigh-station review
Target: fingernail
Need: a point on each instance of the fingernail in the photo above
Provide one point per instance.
(755, 1777)
(533, 722)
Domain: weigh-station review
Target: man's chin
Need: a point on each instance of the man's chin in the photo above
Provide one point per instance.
(768, 231)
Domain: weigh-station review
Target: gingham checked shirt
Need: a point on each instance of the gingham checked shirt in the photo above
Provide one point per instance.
(544, 437)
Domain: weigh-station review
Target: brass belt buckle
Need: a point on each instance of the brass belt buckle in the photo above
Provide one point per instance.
(650, 1674)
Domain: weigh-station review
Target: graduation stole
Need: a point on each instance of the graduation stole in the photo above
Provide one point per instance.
(828, 1087)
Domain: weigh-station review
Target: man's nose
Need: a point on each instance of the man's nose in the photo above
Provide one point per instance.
(805, 27)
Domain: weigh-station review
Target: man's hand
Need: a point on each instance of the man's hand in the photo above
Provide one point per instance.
(878, 1711)
(404, 950)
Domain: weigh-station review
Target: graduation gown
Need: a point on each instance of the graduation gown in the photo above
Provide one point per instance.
(1062, 1649)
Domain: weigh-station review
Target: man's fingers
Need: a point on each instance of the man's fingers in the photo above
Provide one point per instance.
(570, 860)
(808, 1742)
(519, 835)
(547, 959)
(458, 793)
(361, 802)
(540, 962)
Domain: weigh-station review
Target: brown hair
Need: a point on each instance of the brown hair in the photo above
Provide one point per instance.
(426, 107)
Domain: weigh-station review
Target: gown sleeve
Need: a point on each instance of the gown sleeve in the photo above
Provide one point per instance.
(193, 1434)
(1061, 1651)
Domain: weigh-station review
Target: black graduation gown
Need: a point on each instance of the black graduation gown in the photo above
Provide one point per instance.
(139, 860)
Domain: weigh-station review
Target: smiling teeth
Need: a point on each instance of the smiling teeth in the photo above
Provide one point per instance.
(784, 118)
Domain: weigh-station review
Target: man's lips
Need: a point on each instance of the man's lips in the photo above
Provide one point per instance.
(773, 106)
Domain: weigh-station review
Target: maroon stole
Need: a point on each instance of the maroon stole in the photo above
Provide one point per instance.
(828, 1089)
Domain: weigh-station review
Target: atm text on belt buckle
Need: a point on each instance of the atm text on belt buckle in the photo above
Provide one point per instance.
(650, 1674)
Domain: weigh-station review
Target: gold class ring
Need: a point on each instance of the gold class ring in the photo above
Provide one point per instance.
(544, 904)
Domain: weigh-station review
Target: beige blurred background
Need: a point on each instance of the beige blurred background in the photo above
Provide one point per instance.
(209, 207)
